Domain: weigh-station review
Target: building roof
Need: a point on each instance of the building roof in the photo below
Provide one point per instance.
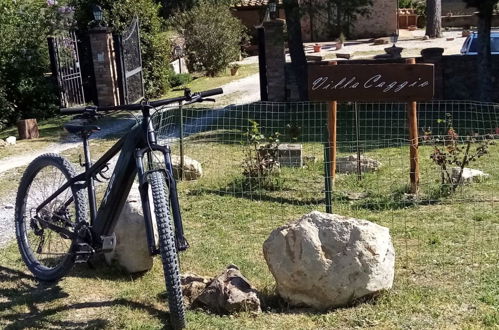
(254, 3)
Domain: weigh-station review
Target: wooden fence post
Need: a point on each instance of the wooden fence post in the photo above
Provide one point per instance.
(414, 140)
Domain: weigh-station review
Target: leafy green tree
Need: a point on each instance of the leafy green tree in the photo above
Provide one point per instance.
(25, 90)
(342, 14)
(212, 35)
(170, 7)
(155, 46)
(484, 58)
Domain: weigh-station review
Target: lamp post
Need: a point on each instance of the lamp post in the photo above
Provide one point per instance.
(98, 15)
(273, 9)
(394, 37)
(178, 52)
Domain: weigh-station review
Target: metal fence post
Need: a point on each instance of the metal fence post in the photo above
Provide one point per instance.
(181, 143)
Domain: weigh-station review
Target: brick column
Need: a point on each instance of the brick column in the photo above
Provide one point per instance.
(275, 60)
(105, 70)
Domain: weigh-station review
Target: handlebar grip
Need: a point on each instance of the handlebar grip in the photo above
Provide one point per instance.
(72, 111)
(211, 92)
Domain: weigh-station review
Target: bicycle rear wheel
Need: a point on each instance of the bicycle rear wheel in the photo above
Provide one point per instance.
(47, 251)
(171, 267)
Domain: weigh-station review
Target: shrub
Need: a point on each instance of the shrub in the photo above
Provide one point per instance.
(212, 35)
(449, 152)
(180, 79)
(155, 46)
(261, 165)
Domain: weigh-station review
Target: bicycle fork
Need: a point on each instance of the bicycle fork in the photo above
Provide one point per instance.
(180, 240)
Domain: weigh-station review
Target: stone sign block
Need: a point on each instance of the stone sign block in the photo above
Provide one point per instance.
(290, 155)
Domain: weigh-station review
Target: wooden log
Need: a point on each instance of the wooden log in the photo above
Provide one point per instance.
(28, 129)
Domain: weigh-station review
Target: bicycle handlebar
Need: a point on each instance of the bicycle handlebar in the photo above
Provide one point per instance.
(139, 106)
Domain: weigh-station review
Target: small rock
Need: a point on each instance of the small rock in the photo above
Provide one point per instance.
(380, 41)
(192, 169)
(11, 140)
(230, 292)
(8, 206)
(450, 39)
(353, 196)
(348, 164)
(469, 175)
(346, 55)
(192, 286)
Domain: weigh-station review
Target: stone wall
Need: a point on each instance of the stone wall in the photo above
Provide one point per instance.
(456, 7)
(465, 21)
(460, 77)
(382, 20)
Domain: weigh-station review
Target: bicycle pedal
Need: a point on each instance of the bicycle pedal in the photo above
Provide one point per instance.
(83, 252)
(108, 243)
(182, 244)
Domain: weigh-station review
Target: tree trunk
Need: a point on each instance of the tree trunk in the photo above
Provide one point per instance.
(298, 60)
(434, 18)
(484, 58)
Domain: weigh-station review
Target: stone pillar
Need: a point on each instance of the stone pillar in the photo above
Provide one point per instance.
(275, 60)
(105, 69)
(434, 56)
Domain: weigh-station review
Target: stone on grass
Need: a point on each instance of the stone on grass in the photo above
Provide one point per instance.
(347, 165)
(327, 260)
(131, 251)
(192, 169)
(469, 175)
(290, 154)
(192, 287)
(11, 140)
(230, 292)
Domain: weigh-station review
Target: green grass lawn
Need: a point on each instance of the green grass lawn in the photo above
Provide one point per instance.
(447, 248)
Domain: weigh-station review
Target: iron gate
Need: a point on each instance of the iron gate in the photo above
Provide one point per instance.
(130, 63)
(67, 69)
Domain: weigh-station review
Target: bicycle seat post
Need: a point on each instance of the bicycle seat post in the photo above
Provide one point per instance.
(90, 180)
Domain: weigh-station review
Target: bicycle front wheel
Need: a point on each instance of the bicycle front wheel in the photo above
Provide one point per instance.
(44, 237)
(171, 267)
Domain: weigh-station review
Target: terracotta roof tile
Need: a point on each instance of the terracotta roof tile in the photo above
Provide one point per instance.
(253, 3)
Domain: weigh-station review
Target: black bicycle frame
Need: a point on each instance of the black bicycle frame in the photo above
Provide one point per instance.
(133, 146)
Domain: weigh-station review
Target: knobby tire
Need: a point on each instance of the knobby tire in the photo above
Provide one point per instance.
(171, 267)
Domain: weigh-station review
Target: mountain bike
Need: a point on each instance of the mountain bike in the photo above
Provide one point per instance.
(56, 216)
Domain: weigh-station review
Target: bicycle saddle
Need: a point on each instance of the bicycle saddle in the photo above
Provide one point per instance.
(81, 129)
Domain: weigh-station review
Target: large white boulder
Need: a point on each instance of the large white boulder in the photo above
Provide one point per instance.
(131, 251)
(327, 260)
(469, 175)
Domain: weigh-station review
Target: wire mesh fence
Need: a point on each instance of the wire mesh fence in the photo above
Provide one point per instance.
(449, 234)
